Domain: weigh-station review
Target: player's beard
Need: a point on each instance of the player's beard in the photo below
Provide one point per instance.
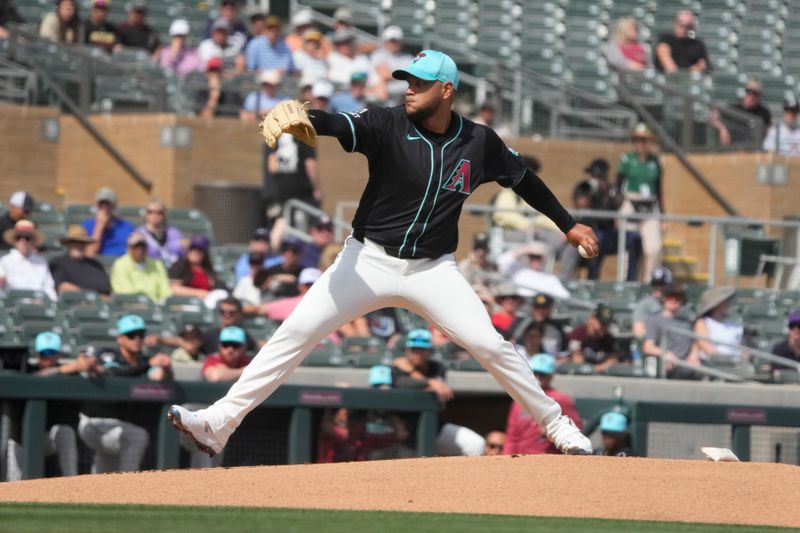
(423, 113)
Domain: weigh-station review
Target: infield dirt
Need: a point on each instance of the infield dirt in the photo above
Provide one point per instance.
(593, 487)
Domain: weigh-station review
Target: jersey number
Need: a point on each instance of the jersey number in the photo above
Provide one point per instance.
(459, 179)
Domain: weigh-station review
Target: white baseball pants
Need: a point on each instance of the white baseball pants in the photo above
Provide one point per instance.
(60, 440)
(365, 278)
(118, 446)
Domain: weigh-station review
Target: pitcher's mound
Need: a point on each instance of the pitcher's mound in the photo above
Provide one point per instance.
(597, 487)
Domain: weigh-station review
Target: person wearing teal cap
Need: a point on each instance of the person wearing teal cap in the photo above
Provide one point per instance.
(119, 445)
(524, 434)
(424, 161)
(228, 363)
(616, 438)
(60, 439)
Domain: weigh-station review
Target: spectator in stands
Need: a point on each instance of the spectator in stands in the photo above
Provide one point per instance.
(416, 370)
(321, 93)
(215, 100)
(228, 363)
(22, 267)
(343, 61)
(119, 445)
(595, 192)
(750, 103)
(478, 267)
(532, 340)
(60, 438)
(109, 232)
(135, 32)
(495, 442)
(302, 24)
(8, 14)
(135, 273)
(651, 304)
(230, 314)
(20, 205)
(554, 340)
(253, 290)
(525, 266)
(284, 275)
(99, 31)
(259, 244)
(163, 240)
(280, 309)
(73, 271)
(269, 51)
(237, 31)
(178, 58)
(712, 324)
(193, 274)
(593, 341)
(386, 60)
(220, 45)
(343, 20)
(310, 57)
(524, 435)
(487, 115)
(639, 178)
(509, 301)
(616, 438)
(259, 103)
(625, 51)
(321, 232)
(355, 98)
(290, 173)
(63, 24)
(681, 50)
(255, 24)
(667, 335)
(789, 348)
(340, 438)
(190, 342)
(784, 138)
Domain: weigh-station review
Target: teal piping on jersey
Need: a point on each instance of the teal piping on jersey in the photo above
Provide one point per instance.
(441, 171)
(427, 188)
(352, 129)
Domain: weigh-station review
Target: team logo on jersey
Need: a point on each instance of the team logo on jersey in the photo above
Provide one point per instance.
(418, 57)
(459, 179)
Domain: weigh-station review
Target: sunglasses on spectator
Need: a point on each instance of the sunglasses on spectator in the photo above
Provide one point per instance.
(227, 312)
(794, 326)
(752, 92)
(494, 446)
(233, 345)
(155, 212)
(138, 334)
(24, 237)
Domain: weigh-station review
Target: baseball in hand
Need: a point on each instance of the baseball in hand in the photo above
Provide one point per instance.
(583, 252)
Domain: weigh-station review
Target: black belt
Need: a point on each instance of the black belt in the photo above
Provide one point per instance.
(393, 251)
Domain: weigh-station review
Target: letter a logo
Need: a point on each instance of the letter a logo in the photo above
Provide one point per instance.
(459, 179)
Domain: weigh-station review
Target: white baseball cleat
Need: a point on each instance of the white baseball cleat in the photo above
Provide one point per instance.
(567, 437)
(193, 426)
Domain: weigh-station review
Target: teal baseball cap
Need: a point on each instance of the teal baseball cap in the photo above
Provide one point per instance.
(613, 422)
(543, 363)
(419, 338)
(47, 343)
(232, 334)
(129, 323)
(431, 65)
(380, 375)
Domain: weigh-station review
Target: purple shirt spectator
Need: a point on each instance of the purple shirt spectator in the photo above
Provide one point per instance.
(185, 61)
(168, 251)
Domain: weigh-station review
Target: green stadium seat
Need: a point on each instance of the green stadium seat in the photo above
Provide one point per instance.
(67, 300)
(324, 354)
(625, 370)
(578, 369)
(26, 312)
(468, 365)
(357, 346)
(131, 303)
(24, 296)
(77, 213)
(95, 334)
(177, 304)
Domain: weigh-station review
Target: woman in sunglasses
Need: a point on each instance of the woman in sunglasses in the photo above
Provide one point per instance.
(22, 267)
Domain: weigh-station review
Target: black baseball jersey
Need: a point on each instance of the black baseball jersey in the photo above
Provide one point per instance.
(419, 180)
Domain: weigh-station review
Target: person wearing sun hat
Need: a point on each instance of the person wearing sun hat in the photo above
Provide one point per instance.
(712, 324)
(23, 267)
(616, 438)
(523, 434)
(73, 271)
(640, 180)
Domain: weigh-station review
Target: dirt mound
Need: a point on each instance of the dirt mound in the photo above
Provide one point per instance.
(600, 487)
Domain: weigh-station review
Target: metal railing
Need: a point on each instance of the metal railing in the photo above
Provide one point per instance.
(17, 83)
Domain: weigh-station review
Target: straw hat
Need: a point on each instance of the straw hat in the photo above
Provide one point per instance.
(641, 131)
(713, 297)
(25, 227)
(76, 233)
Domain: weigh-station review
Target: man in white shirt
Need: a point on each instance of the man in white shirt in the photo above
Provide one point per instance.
(23, 267)
(784, 137)
(343, 61)
(387, 59)
(218, 44)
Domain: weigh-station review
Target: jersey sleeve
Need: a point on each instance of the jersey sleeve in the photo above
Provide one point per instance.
(503, 164)
(360, 131)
